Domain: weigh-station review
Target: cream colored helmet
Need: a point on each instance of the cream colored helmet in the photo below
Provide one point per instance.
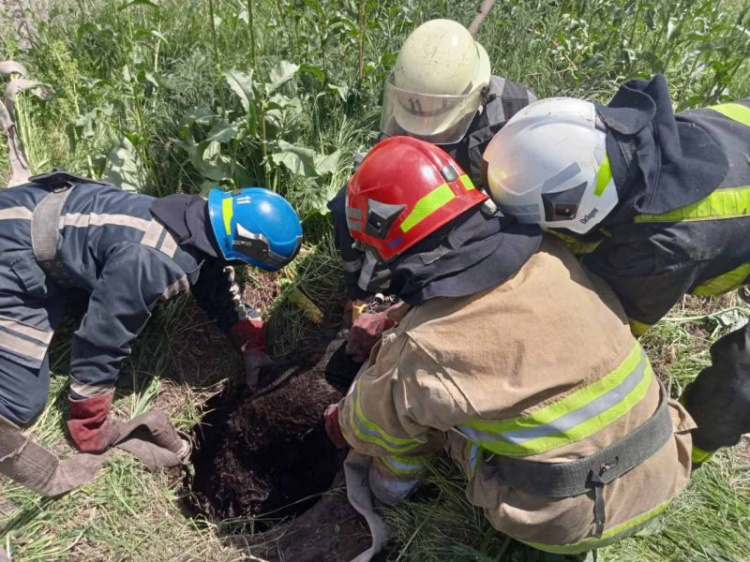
(436, 87)
(549, 166)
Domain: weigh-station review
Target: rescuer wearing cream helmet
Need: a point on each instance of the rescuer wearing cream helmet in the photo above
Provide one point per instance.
(438, 84)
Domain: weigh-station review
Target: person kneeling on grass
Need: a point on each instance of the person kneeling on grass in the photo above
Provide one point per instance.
(64, 236)
(508, 356)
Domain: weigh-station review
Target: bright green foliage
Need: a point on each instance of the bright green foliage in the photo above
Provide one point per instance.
(164, 96)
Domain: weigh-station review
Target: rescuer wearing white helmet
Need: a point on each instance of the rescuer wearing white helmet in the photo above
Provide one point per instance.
(440, 90)
(659, 206)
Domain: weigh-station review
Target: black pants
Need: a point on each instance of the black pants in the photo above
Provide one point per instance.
(719, 398)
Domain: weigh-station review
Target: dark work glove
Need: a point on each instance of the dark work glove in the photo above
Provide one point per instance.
(365, 333)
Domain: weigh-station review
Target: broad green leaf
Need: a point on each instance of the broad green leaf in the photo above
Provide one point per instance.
(126, 5)
(222, 131)
(211, 163)
(297, 159)
(317, 72)
(242, 85)
(326, 164)
(123, 167)
(280, 75)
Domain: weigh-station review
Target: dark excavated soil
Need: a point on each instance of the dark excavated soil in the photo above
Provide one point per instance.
(269, 454)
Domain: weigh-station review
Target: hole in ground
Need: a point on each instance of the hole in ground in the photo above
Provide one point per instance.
(268, 455)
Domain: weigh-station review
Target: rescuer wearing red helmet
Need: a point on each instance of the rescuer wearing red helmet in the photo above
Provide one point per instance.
(505, 354)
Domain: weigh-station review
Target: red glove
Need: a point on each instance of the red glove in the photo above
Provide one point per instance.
(249, 333)
(89, 425)
(365, 333)
(333, 429)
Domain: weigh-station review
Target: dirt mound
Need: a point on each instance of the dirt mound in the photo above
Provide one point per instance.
(269, 454)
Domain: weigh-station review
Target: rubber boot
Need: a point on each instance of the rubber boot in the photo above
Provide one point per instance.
(33, 466)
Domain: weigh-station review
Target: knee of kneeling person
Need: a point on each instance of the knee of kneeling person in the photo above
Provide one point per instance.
(22, 412)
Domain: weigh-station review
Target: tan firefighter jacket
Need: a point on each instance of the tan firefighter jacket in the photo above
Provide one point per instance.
(533, 375)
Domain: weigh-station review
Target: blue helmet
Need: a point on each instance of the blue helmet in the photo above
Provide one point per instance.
(256, 226)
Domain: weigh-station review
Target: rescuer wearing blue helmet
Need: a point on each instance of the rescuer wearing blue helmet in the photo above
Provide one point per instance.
(63, 235)
(256, 226)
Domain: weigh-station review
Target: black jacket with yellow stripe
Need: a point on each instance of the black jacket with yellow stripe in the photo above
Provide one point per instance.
(683, 224)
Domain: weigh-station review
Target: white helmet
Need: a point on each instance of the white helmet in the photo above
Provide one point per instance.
(436, 87)
(549, 166)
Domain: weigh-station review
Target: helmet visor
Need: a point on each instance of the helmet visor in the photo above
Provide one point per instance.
(256, 247)
(435, 118)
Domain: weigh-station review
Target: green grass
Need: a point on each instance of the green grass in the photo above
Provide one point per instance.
(176, 96)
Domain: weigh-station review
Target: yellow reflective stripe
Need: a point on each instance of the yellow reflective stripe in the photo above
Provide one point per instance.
(227, 211)
(370, 432)
(728, 203)
(638, 328)
(428, 205)
(466, 182)
(608, 537)
(735, 111)
(406, 466)
(699, 456)
(724, 283)
(575, 417)
(603, 177)
(578, 247)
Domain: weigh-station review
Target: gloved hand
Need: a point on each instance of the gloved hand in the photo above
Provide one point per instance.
(255, 360)
(365, 333)
(250, 336)
(250, 332)
(89, 425)
(333, 429)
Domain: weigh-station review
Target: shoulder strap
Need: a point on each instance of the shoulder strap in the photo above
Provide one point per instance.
(45, 235)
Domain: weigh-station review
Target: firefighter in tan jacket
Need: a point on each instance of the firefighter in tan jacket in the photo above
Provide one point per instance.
(509, 357)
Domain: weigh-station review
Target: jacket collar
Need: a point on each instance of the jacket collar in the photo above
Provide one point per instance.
(186, 216)
(659, 161)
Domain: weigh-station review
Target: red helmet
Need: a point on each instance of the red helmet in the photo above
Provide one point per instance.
(404, 190)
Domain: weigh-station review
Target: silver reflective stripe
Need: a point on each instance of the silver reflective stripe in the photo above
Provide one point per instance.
(169, 246)
(175, 288)
(22, 346)
(529, 213)
(365, 277)
(354, 226)
(15, 213)
(473, 458)
(153, 234)
(561, 177)
(414, 467)
(80, 220)
(354, 265)
(353, 212)
(88, 390)
(44, 336)
(570, 420)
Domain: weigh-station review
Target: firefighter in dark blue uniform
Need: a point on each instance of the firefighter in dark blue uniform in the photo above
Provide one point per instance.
(126, 252)
(658, 205)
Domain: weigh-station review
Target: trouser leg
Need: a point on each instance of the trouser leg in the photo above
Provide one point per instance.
(719, 398)
(23, 390)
